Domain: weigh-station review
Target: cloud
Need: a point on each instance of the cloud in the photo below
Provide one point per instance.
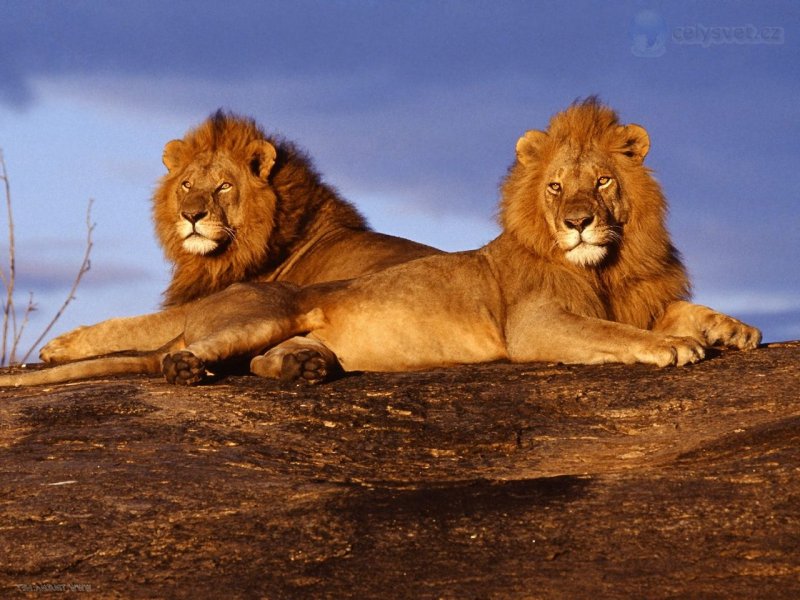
(754, 302)
(206, 40)
(386, 51)
(437, 162)
(33, 276)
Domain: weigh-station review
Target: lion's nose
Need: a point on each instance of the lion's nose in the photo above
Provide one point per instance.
(578, 222)
(194, 216)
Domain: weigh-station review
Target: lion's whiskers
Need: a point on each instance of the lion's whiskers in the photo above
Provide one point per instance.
(230, 232)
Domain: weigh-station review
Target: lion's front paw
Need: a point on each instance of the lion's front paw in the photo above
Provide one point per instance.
(183, 368)
(65, 347)
(722, 330)
(306, 366)
(672, 350)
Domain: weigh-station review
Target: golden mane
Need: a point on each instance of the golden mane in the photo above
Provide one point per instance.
(645, 272)
(282, 211)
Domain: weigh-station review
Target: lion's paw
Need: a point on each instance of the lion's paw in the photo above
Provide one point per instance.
(305, 366)
(64, 347)
(672, 351)
(722, 330)
(183, 368)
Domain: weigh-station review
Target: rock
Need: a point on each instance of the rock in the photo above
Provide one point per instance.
(485, 481)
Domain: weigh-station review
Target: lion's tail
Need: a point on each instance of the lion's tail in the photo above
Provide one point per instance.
(146, 364)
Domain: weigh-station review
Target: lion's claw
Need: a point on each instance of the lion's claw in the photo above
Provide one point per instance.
(686, 350)
(306, 366)
(723, 330)
(671, 351)
(183, 368)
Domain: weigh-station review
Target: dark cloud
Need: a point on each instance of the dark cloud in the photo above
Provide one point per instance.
(386, 43)
(392, 47)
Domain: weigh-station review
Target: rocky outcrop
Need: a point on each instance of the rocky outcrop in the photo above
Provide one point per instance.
(486, 481)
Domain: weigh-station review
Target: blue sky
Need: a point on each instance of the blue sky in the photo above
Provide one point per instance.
(411, 109)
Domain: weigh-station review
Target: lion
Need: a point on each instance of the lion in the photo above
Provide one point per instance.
(237, 205)
(583, 272)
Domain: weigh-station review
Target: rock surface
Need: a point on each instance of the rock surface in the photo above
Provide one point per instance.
(487, 481)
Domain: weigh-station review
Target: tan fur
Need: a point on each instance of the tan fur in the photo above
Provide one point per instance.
(221, 326)
(644, 272)
(275, 220)
(615, 293)
(533, 294)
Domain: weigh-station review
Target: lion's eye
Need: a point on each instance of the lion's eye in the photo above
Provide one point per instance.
(186, 185)
(554, 187)
(603, 182)
(224, 187)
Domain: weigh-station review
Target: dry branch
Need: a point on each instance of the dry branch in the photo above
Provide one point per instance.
(12, 332)
(86, 265)
(8, 309)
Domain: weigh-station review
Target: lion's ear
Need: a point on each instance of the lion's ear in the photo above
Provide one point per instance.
(262, 157)
(173, 154)
(528, 145)
(635, 141)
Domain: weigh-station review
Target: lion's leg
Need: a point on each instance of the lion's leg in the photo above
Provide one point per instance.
(142, 333)
(146, 363)
(143, 363)
(712, 328)
(536, 333)
(244, 337)
(297, 359)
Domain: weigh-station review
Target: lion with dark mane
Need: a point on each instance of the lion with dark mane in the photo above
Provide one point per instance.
(583, 272)
(237, 205)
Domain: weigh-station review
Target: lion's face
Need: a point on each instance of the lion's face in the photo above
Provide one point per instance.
(207, 198)
(583, 205)
(208, 210)
(574, 191)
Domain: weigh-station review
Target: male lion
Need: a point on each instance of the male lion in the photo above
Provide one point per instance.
(236, 206)
(583, 272)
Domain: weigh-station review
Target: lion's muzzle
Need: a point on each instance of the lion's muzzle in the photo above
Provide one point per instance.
(194, 216)
(578, 220)
(583, 231)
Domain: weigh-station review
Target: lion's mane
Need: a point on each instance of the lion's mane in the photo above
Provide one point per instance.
(281, 212)
(625, 284)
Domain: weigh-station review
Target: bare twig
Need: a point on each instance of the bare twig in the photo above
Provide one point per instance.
(11, 333)
(18, 333)
(9, 314)
(86, 265)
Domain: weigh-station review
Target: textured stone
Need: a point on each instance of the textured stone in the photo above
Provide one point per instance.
(486, 481)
